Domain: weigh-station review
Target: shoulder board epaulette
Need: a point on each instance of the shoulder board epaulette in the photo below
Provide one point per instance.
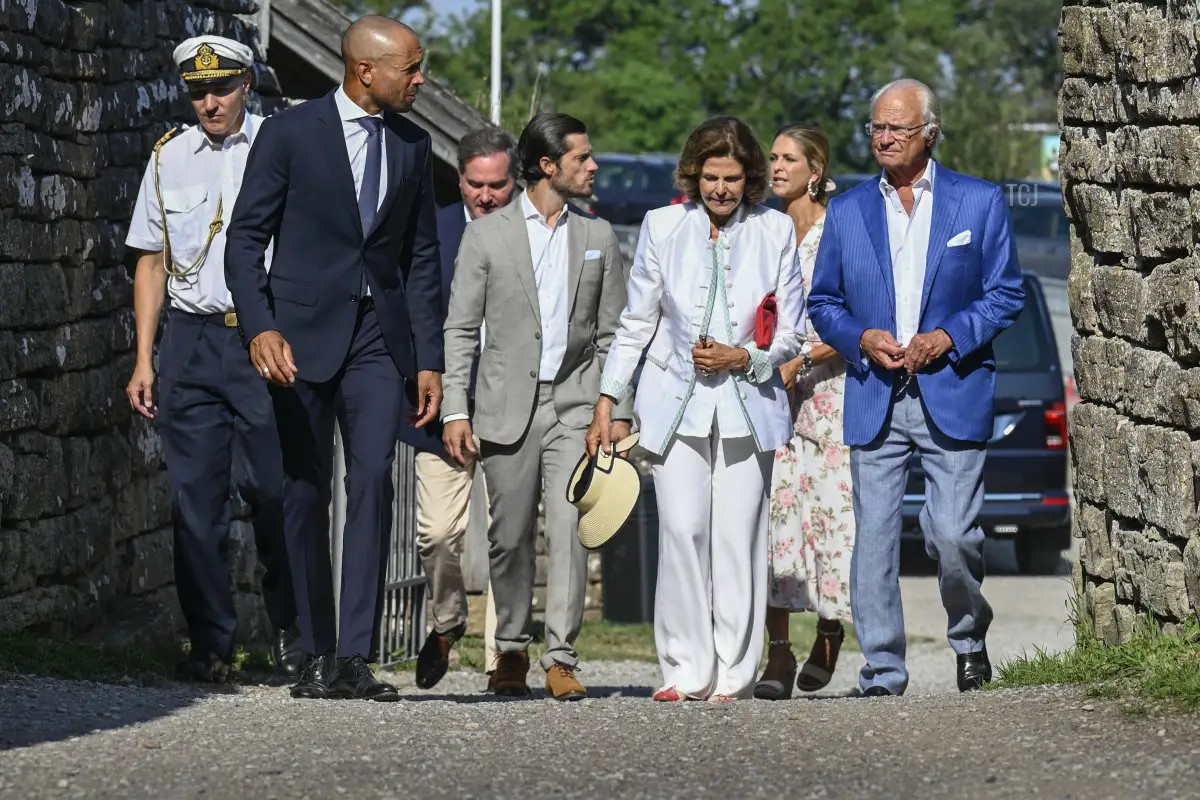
(167, 137)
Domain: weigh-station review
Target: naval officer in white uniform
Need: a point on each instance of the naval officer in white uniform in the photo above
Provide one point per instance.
(211, 407)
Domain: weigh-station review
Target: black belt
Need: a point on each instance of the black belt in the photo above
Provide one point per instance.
(228, 318)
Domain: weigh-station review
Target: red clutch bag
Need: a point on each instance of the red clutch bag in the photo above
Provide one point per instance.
(765, 321)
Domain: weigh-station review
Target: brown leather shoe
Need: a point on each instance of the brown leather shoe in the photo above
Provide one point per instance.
(562, 684)
(509, 677)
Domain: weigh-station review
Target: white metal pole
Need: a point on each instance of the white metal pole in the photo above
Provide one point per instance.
(496, 62)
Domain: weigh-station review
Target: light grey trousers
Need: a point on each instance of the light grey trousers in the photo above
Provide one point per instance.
(537, 467)
(953, 498)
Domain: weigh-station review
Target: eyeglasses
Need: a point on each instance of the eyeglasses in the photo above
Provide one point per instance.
(874, 129)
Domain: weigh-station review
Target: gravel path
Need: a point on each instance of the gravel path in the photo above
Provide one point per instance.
(72, 740)
(81, 740)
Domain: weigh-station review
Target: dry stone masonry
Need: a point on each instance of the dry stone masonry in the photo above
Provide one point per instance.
(1130, 161)
(86, 88)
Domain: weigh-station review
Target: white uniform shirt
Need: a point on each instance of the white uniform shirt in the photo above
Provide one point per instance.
(195, 173)
(549, 251)
(909, 238)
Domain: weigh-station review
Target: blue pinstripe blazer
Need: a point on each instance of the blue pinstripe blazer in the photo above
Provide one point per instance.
(973, 292)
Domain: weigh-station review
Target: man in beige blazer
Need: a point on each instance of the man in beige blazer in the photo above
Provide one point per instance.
(548, 286)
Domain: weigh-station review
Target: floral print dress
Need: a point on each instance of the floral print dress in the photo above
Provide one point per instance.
(812, 511)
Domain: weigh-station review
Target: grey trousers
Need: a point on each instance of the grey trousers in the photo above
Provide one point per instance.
(538, 467)
(953, 497)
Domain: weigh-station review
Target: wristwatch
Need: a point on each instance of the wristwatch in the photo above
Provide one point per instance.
(805, 364)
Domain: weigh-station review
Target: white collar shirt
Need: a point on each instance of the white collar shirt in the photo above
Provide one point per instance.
(197, 175)
(550, 254)
(908, 236)
(356, 142)
(356, 148)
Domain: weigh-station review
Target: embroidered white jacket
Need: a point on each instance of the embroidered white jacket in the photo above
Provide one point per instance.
(679, 284)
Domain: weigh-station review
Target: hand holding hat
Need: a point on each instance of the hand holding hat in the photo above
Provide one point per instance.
(605, 488)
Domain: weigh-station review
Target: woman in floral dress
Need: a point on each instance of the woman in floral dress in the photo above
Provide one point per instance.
(812, 516)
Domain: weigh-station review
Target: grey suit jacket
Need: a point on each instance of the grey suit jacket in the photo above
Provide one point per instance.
(494, 285)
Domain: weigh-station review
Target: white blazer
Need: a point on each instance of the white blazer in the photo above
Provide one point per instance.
(672, 292)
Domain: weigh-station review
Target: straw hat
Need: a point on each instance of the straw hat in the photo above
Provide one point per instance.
(604, 489)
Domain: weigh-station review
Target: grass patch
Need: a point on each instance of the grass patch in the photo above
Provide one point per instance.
(615, 641)
(26, 654)
(1152, 668)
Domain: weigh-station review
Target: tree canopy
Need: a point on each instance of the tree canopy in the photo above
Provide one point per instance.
(642, 73)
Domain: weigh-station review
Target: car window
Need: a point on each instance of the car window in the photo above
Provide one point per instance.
(1041, 221)
(634, 177)
(1025, 345)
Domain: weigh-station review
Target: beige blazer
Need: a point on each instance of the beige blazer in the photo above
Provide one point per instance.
(494, 286)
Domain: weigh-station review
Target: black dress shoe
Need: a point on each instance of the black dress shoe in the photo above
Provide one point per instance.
(434, 658)
(317, 681)
(356, 681)
(289, 657)
(974, 670)
(203, 668)
(877, 691)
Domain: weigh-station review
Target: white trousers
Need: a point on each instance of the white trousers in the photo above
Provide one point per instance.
(711, 599)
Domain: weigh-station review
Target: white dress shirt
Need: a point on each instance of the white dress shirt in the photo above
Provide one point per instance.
(550, 254)
(195, 174)
(356, 148)
(909, 238)
(356, 142)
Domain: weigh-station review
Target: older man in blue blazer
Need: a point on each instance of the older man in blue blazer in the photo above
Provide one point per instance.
(916, 275)
(487, 181)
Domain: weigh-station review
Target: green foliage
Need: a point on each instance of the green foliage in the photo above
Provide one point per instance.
(642, 73)
(1153, 668)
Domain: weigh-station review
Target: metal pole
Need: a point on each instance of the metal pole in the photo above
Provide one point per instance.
(495, 62)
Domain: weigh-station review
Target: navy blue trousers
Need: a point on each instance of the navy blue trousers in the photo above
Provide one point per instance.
(217, 421)
(364, 400)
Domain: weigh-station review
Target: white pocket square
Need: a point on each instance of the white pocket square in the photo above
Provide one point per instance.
(590, 254)
(960, 240)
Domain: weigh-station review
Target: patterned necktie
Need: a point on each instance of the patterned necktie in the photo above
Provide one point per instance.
(368, 195)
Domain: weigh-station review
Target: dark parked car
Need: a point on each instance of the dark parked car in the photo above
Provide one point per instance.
(1025, 472)
(627, 186)
(1040, 226)
(843, 182)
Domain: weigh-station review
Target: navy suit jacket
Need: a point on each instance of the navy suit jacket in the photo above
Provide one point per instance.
(451, 224)
(298, 189)
(973, 291)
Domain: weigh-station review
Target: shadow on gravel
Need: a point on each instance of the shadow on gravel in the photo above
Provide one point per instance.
(594, 693)
(37, 710)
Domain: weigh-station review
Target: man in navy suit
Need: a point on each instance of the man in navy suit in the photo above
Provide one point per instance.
(487, 180)
(351, 309)
(916, 274)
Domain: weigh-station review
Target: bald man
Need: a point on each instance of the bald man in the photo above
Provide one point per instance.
(347, 321)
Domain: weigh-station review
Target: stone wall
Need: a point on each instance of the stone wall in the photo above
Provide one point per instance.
(1130, 161)
(86, 88)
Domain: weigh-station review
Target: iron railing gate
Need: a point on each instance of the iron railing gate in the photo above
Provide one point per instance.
(401, 627)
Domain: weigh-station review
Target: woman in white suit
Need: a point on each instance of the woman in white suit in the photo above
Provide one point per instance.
(711, 405)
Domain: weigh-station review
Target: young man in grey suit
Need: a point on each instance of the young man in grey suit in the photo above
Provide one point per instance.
(548, 284)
